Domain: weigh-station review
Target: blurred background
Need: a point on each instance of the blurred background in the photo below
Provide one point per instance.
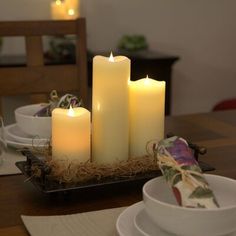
(201, 33)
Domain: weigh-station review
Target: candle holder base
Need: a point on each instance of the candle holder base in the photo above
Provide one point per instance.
(137, 171)
(47, 185)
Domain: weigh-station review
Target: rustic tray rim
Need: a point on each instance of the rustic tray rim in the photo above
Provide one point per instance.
(40, 185)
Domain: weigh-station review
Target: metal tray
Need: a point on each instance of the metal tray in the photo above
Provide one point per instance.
(47, 185)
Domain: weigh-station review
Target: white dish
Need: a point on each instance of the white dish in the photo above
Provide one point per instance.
(162, 208)
(12, 143)
(125, 222)
(31, 124)
(145, 226)
(126, 226)
(16, 134)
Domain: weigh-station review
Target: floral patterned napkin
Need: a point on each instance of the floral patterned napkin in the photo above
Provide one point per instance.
(66, 101)
(183, 174)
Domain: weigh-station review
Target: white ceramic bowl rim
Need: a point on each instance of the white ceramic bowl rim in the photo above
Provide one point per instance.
(20, 113)
(189, 208)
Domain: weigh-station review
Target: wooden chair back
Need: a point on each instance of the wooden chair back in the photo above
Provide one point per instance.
(36, 77)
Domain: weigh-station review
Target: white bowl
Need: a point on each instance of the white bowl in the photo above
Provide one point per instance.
(162, 208)
(33, 125)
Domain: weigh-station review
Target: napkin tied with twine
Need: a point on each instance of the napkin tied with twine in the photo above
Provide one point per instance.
(183, 174)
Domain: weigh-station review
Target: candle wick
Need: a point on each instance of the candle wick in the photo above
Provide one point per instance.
(71, 111)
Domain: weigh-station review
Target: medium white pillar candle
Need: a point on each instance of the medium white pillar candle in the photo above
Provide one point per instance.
(58, 10)
(147, 112)
(110, 132)
(71, 134)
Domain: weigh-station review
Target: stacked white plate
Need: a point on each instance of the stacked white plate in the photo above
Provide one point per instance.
(16, 138)
(160, 208)
(135, 222)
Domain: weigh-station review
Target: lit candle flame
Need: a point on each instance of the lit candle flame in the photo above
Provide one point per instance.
(146, 81)
(71, 111)
(111, 58)
(71, 12)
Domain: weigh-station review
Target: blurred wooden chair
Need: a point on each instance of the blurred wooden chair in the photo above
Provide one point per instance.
(36, 77)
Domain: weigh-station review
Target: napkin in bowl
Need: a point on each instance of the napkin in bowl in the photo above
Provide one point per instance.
(183, 174)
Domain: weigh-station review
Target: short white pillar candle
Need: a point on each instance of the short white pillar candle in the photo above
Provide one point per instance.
(71, 134)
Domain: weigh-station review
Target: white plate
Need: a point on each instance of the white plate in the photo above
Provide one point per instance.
(133, 221)
(145, 226)
(13, 143)
(16, 134)
(125, 222)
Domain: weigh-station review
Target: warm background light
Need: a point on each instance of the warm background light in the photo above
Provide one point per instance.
(65, 10)
(58, 10)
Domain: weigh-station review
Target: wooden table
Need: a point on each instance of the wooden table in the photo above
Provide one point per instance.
(216, 131)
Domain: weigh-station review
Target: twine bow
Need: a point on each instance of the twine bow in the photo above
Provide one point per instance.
(164, 158)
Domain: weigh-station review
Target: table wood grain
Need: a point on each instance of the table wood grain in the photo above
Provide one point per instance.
(216, 131)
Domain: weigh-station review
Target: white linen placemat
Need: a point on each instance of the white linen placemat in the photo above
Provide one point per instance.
(95, 223)
(9, 158)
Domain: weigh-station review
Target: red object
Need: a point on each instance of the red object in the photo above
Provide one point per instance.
(225, 105)
(177, 195)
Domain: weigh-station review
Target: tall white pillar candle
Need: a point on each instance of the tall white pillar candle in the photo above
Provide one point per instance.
(147, 112)
(110, 132)
(71, 134)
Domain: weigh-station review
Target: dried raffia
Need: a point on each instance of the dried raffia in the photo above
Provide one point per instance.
(77, 172)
